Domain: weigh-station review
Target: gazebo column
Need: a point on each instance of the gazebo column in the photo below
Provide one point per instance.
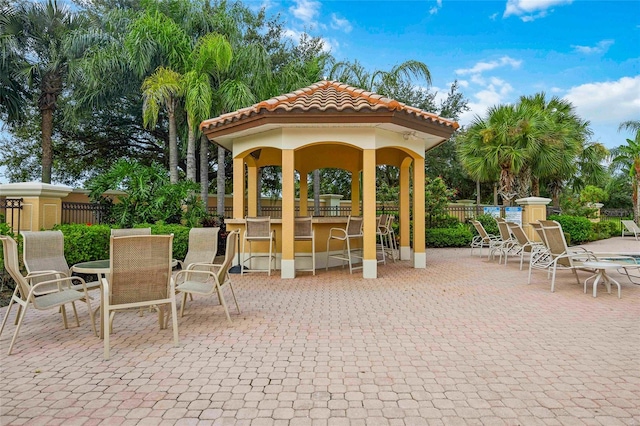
(252, 189)
(287, 263)
(304, 192)
(405, 205)
(355, 192)
(419, 251)
(238, 188)
(369, 261)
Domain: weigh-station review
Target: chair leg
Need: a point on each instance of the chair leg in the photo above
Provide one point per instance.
(184, 302)
(63, 311)
(233, 293)
(75, 312)
(107, 318)
(223, 302)
(15, 334)
(349, 254)
(6, 315)
(174, 323)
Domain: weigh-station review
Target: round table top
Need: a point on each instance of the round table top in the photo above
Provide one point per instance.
(601, 265)
(92, 267)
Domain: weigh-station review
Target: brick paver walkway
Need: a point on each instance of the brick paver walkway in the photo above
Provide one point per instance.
(465, 341)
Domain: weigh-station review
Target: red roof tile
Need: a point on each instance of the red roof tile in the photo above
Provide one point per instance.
(325, 96)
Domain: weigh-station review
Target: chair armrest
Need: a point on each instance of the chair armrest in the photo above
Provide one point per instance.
(188, 272)
(341, 231)
(59, 281)
(38, 274)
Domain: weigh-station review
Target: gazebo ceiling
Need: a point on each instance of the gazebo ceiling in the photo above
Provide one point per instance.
(329, 104)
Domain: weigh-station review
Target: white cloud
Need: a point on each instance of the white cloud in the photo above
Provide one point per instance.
(601, 47)
(495, 93)
(306, 10)
(487, 66)
(436, 8)
(609, 102)
(340, 23)
(529, 10)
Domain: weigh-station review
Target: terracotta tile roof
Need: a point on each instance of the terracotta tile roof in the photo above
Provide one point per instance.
(325, 96)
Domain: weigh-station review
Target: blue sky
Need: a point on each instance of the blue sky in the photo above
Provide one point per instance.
(585, 51)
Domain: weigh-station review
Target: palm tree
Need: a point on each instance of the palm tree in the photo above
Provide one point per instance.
(501, 144)
(162, 89)
(210, 56)
(627, 158)
(379, 81)
(40, 46)
(12, 93)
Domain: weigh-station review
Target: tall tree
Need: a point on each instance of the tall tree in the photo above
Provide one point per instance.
(12, 91)
(627, 158)
(40, 46)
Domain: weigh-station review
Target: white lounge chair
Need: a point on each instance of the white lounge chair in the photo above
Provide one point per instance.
(631, 228)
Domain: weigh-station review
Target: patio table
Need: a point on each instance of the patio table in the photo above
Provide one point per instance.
(601, 274)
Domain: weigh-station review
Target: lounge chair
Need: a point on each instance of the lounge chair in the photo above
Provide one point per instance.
(483, 239)
(631, 228)
(562, 256)
(524, 244)
(508, 244)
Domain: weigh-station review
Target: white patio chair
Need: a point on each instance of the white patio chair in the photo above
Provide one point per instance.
(258, 230)
(208, 278)
(303, 231)
(483, 239)
(140, 276)
(524, 245)
(351, 232)
(50, 294)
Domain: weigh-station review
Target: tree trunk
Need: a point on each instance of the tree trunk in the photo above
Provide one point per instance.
(47, 150)
(478, 195)
(535, 186)
(173, 144)
(316, 192)
(204, 171)
(191, 152)
(220, 183)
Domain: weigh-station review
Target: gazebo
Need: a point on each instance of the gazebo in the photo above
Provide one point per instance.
(331, 125)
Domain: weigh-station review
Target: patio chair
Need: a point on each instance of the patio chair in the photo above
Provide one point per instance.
(303, 231)
(49, 294)
(483, 239)
(140, 276)
(562, 256)
(130, 231)
(43, 254)
(524, 244)
(208, 278)
(507, 244)
(258, 230)
(352, 231)
(385, 230)
(630, 227)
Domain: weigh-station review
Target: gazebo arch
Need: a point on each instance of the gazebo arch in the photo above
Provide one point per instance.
(332, 125)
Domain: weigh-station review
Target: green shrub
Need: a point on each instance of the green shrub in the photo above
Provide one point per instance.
(83, 243)
(577, 228)
(449, 237)
(444, 222)
(489, 223)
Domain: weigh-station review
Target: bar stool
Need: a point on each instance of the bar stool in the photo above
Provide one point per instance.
(353, 231)
(258, 229)
(303, 231)
(382, 220)
(388, 236)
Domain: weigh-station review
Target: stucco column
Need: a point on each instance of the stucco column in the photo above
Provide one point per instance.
(304, 192)
(533, 210)
(41, 204)
(238, 188)
(252, 189)
(369, 262)
(419, 252)
(405, 212)
(355, 193)
(287, 263)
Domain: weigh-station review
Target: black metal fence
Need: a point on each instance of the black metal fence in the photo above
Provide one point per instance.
(92, 213)
(11, 207)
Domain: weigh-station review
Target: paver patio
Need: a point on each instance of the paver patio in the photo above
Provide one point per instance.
(465, 341)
